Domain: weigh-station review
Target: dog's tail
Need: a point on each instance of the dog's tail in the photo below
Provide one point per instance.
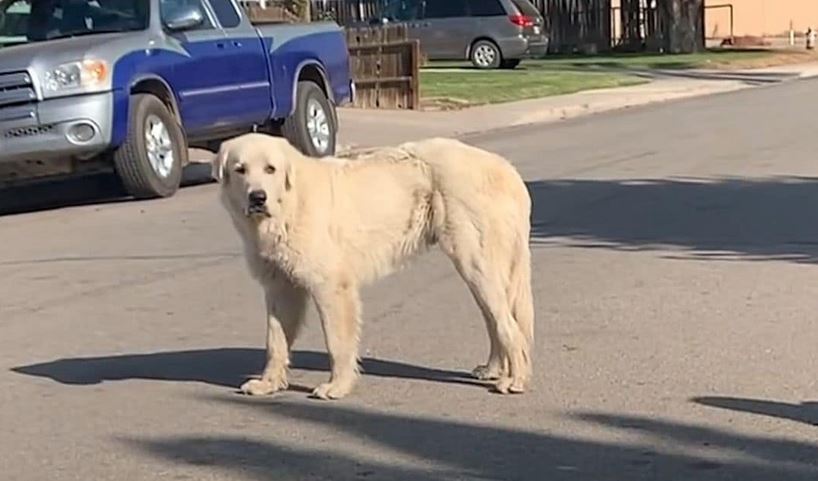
(520, 297)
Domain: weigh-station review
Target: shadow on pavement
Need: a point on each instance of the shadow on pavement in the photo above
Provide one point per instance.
(722, 219)
(95, 189)
(806, 412)
(435, 449)
(228, 367)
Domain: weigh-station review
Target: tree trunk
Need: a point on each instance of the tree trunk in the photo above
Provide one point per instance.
(682, 25)
(629, 19)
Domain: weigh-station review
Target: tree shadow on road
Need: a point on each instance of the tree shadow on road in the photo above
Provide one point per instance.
(723, 219)
(435, 449)
(227, 367)
(806, 412)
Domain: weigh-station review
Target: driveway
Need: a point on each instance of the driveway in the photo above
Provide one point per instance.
(675, 252)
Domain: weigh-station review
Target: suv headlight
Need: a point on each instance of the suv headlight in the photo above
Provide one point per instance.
(82, 75)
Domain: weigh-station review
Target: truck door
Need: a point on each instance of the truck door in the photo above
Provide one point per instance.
(204, 86)
(246, 63)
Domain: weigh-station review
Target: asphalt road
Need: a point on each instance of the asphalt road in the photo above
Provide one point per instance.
(676, 269)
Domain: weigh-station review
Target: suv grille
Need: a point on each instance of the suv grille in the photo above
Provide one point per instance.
(16, 88)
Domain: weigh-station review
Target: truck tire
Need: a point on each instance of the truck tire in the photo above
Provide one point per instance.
(149, 163)
(312, 128)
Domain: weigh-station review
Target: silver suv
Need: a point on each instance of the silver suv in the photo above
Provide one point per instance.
(490, 33)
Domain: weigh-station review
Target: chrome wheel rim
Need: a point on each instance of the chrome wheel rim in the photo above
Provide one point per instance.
(159, 146)
(484, 55)
(318, 126)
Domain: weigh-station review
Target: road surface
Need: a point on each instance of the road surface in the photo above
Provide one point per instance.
(676, 283)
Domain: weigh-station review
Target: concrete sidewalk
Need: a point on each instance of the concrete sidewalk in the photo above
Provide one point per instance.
(365, 128)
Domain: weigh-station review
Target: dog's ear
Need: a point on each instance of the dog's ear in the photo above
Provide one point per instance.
(217, 165)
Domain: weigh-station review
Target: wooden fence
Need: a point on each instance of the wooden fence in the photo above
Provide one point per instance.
(385, 65)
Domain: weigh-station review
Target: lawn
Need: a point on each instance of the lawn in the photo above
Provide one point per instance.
(473, 87)
(458, 83)
(712, 59)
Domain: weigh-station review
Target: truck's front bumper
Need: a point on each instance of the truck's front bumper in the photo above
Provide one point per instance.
(70, 127)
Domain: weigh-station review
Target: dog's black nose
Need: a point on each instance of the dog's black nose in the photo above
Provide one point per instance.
(257, 197)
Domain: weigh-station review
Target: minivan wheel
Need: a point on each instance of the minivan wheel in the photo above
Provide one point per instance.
(486, 55)
(510, 63)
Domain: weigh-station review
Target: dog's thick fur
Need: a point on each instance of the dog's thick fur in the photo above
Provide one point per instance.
(330, 226)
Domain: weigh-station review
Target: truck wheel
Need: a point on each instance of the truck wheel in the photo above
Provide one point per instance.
(150, 162)
(312, 127)
(486, 55)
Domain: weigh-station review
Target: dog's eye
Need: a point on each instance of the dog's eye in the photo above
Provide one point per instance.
(239, 169)
(270, 169)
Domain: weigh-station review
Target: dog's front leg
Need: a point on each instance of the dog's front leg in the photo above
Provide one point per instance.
(286, 306)
(339, 307)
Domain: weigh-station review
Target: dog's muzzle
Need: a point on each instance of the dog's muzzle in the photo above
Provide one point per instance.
(257, 202)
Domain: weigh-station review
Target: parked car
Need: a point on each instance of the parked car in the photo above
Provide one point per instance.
(490, 33)
(129, 85)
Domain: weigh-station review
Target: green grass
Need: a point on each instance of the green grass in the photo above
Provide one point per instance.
(474, 87)
(706, 59)
(710, 58)
(564, 74)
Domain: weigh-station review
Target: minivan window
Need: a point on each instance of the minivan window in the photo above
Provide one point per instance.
(526, 8)
(486, 8)
(445, 8)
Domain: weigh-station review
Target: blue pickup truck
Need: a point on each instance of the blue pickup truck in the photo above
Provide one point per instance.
(130, 85)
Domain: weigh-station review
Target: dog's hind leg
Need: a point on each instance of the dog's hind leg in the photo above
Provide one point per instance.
(510, 339)
(496, 364)
(480, 271)
(339, 307)
(286, 306)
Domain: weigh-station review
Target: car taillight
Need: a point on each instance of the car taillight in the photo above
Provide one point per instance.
(521, 20)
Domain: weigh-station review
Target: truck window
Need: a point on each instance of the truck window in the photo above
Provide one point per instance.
(226, 13)
(32, 21)
(168, 7)
(445, 8)
(14, 22)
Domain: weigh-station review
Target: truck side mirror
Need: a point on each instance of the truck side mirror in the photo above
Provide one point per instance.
(184, 18)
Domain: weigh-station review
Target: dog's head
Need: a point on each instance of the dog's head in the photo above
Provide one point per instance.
(256, 171)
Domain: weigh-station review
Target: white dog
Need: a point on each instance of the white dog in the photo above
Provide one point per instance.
(322, 229)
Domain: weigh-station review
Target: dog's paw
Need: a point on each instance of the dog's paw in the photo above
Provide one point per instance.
(486, 372)
(509, 385)
(330, 390)
(263, 387)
